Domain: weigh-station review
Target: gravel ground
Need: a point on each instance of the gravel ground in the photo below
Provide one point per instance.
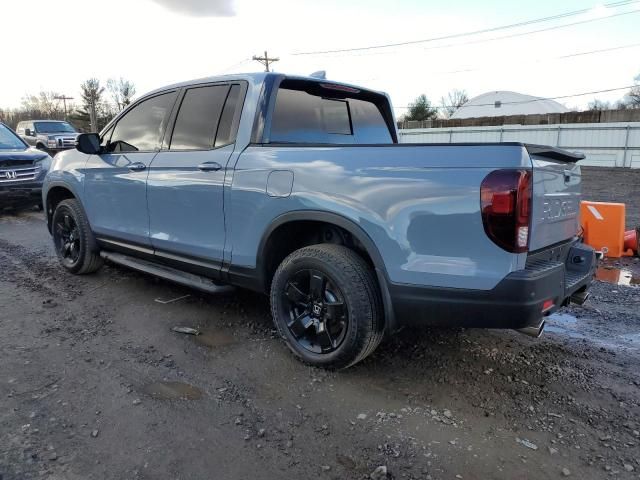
(94, 384)
(614, 185)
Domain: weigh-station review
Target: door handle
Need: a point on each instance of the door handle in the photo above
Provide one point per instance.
(136, 166)
(209, 166)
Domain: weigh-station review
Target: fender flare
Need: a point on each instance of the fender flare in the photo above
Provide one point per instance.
(45, 196)
(354, 229)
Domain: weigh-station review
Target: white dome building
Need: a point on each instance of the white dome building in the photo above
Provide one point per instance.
(503, 103)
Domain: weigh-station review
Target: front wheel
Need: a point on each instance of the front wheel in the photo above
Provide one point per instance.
(326, 305)
(73, 239)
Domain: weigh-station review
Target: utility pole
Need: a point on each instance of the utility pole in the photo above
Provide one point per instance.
(64, 99)
(265, 60)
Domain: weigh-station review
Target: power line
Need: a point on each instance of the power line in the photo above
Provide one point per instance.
(488, 30)
(539, 99)
(571, 55)
(473, 69)
(513, 35)
(501, 64)
(611, 49)
(248, 59)
(485, 40)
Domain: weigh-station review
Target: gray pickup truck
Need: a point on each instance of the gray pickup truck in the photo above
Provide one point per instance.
(51, 136)
(297, 187)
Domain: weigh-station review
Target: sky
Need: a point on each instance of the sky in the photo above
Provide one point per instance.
(158, 42)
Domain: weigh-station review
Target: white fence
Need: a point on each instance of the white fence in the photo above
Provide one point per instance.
(604, 144)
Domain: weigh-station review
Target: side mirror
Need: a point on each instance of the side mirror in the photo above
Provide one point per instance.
(88, 143)
(27, 132)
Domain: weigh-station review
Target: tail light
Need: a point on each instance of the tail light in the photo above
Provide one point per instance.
(505, 202)
(341, 88)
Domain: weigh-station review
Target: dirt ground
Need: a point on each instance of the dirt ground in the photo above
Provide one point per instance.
(94, 384)
(614, 185)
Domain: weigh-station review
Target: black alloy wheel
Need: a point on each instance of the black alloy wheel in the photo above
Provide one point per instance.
(318, 317)
(73, 239)
(66, 238)
(326, 305)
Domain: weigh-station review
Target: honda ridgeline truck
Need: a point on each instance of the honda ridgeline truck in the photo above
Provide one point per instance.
(298, 188)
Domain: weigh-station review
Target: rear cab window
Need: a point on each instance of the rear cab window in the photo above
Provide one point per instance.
(316, 112)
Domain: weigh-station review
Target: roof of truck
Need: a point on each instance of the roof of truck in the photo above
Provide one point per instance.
(255, 77)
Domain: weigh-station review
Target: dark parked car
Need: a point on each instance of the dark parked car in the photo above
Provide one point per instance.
(51, 136)
(22, 170)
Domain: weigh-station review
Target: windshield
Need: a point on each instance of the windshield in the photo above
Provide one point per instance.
(54, 127)
(9, 140)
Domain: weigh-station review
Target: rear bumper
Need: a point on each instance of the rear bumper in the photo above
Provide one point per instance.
(553, 274)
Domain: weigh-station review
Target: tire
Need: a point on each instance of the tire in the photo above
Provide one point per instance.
(73, 239)
(326, 305)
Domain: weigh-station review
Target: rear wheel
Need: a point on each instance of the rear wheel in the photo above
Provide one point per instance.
(326, 305)
(73, 239)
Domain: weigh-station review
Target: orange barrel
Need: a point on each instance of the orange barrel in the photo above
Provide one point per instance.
(603, 226)
(632, 240)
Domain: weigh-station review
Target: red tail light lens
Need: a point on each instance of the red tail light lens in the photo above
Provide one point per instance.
(505, 202)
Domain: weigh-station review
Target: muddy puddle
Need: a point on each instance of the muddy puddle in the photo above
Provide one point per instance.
(214, 338)
(172, 391)
(588, 329)
(563, 324)
(617, 276)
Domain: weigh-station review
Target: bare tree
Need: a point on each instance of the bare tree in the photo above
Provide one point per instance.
(91, 93)
(598, 105)
(44, 105)
(632, 99)
(122, 91)
(452, 102)
(622, 104)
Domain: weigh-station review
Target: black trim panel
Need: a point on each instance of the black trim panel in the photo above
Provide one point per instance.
(516, 302)
(395, 145)
(197, 266)
(554, 153)
(264, 108)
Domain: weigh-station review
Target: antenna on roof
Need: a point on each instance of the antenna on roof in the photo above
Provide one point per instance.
(321, 74)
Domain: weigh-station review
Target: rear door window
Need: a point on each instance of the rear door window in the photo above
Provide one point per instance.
(198, 118)
(316, 116)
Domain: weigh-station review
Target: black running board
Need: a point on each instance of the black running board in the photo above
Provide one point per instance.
(168, 273)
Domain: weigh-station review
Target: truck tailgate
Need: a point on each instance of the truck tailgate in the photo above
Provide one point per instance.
(556, 196)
